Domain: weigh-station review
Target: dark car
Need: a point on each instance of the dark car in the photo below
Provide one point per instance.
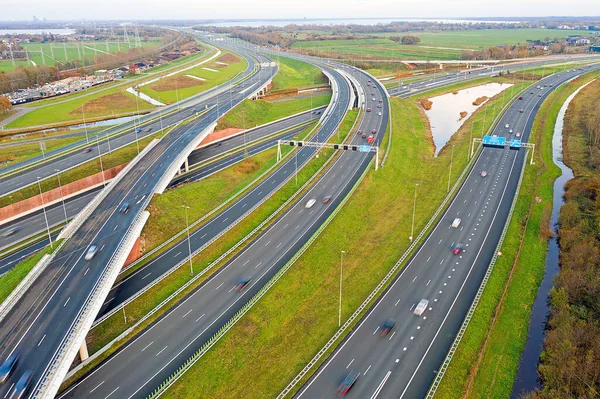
(327, 199)
(124, 207)
(380, 100)
(374, 131)
(21, 386)
(368, 109)
(458, 248)
(89, 149)
(364, 136)
(8, 367)
(148, 129)
(388, 324)
(242, 283)
(521, 97)
(359, 132)
(521, 110)
(347, 383)
(138, 130)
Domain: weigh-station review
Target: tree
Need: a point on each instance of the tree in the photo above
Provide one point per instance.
(409, 39)
(5, 105)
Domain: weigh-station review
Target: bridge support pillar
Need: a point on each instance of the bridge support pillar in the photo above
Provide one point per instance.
(187, 164)
(83, 351)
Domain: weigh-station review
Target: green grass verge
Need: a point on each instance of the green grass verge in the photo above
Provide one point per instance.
(277, 337)
(12, 278)
(18, 153)
(487, 359)
(115, 101)
(296, 74)
(211, 79)
(254, 113)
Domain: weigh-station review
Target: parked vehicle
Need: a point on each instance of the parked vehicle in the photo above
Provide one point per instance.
(421, 307)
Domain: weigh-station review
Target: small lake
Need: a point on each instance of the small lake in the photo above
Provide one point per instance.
(527, 376)
(444, 115)
(53, 31)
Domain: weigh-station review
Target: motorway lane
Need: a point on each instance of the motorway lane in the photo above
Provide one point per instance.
(188, 107)
(404, 363)
(41, 320)
(149, 358)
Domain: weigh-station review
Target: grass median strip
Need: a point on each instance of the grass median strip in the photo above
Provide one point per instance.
(111, 328)
(277, 337)
(12, 278)
(487, 358)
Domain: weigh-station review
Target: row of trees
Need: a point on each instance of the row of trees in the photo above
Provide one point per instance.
(570, 364)
(408, 39)
(5, 105)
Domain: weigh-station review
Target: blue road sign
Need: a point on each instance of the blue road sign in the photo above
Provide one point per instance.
(515, 144)
(364, 148)
(494, 141)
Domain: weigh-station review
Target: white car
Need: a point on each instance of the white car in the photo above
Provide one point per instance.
(518, 134)
(421, 307)
(510, 131)
(506, 126)
(310, 203)
(456, 223)
(379, 113)
(91, 252)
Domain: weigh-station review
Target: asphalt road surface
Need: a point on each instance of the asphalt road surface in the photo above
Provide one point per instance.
(38, 325)
(148, 359)
(403, 363)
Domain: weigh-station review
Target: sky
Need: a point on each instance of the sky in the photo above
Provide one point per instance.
(258, 9)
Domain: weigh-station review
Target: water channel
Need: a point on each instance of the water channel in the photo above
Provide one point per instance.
(527, 377)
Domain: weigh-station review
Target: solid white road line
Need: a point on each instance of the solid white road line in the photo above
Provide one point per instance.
(381, 384)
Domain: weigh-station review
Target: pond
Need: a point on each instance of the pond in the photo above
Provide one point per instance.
(445, 113)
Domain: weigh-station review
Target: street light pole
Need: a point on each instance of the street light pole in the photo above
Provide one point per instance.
(450, 171)
(342, 252)
(188, 238)
(44, 210)
(61, 195)
(412, 230)
(101, 166)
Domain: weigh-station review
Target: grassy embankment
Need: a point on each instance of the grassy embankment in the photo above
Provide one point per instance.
(18, 153)
(113, 326)
(196, 80)
(12, 278)
(487, 359)
(294, 74)
(271, 344)
(115, 101)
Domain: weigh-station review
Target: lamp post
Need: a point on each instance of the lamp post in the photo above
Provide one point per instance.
(342, 252)
(61, 195)
(188, 238)
(412, 230)
(101, 166)
(44, 210)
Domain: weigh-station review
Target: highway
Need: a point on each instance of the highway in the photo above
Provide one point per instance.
(178, 112)
(40, 324)
(34, 223)
(143, 363)
(403, 363)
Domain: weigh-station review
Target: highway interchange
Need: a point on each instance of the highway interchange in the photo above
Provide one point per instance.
(389, 365)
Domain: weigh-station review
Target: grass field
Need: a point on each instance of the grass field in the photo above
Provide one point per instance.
(196, 80)
(296, 74)
(12, 278)
(110, 102)
(487, 359)
(277, 337)
(254, 113)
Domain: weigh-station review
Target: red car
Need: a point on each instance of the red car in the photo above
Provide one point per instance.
(364, 136)
(380, 100)
(371, 139)
(359, 132)
(458, 248)
(347, 383)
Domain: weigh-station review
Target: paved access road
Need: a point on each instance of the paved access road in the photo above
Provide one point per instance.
(142, 364)
(403, 363)
(34, 223)
(38, 326)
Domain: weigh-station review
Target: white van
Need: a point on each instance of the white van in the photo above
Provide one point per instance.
(421, 307)
(456, 223)
(310, 203)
